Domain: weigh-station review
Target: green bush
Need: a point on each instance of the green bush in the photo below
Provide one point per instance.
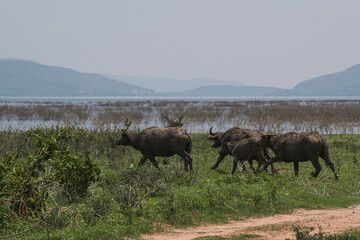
(26, 180)
(23, 190)
(75, 173)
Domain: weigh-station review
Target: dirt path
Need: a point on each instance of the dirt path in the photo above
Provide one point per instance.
(273, 227)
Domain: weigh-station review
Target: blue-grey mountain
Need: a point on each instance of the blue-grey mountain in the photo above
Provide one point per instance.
(166, 85)
(346, 83)
(26, 78)
(232, 91)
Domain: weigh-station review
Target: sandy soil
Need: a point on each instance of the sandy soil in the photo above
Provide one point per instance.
(274, 227)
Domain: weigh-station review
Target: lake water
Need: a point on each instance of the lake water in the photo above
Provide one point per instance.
(200, 113)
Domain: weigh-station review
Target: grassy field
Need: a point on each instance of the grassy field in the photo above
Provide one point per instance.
(118, 200)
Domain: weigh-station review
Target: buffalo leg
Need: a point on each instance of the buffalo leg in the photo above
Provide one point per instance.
(220, 158)
(252, 166)
(268, 157)
(258, 169)
(330, 164)
(235, 163)
(261, 159)
(187, 161)
(186, 165)
(142, 160)
(296, 168)
(153, 161)
(317, 166)
(243, 167)
(273, 160)
(273, 169)
(190, 164)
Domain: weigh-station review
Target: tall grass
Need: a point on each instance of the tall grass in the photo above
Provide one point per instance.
(327, 116)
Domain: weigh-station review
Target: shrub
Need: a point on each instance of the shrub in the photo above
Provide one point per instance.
(25, 181)
(172, 122)
(22, 190)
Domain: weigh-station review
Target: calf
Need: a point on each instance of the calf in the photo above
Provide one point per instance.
(234, 134)
(248, 149)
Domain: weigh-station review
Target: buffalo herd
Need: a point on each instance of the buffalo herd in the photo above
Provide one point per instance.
(243, 144)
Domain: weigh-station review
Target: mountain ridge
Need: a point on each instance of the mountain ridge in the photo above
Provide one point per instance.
(345, 83)
(168, 85)
(29, 78)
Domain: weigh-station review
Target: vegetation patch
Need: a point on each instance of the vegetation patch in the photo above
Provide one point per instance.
(69, 182)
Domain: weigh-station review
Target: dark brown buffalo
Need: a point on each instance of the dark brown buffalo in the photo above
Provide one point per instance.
(232, 135)
(162, 142)
(247, 149)
(299, 147)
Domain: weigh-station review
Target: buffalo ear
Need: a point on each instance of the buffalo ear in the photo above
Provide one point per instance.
(266, 137)
(229, 146)
(124, 134)
(212, 138)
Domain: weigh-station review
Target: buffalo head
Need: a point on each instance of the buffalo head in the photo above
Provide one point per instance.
(227, 148)
(216, 137)
(269, 140)
(125, 139)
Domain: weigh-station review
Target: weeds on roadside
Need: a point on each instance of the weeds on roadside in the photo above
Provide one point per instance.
(305, 234)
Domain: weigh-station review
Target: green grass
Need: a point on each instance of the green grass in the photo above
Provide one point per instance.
(129, 201)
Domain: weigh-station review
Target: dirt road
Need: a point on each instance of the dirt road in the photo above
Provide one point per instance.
(274, 227)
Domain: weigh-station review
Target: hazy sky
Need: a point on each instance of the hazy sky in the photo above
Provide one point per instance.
(257, 42)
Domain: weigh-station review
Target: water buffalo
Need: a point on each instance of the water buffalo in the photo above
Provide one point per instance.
(247, 149)
(162, 142)
(299, 147)
(235, 134)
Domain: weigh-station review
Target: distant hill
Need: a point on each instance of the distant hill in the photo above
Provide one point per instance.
(346, 83)
(231, 91)
(166, 85)
(27, 78)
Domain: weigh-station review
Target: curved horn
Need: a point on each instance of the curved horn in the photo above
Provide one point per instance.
(127, 124)
(211, 133)
(126, 129)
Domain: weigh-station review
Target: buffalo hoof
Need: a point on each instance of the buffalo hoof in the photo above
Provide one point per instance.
(314, 174)
(214, 167)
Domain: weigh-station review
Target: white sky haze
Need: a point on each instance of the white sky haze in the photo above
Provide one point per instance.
(275, 43)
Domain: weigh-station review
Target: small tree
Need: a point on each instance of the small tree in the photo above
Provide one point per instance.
(172, 122)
